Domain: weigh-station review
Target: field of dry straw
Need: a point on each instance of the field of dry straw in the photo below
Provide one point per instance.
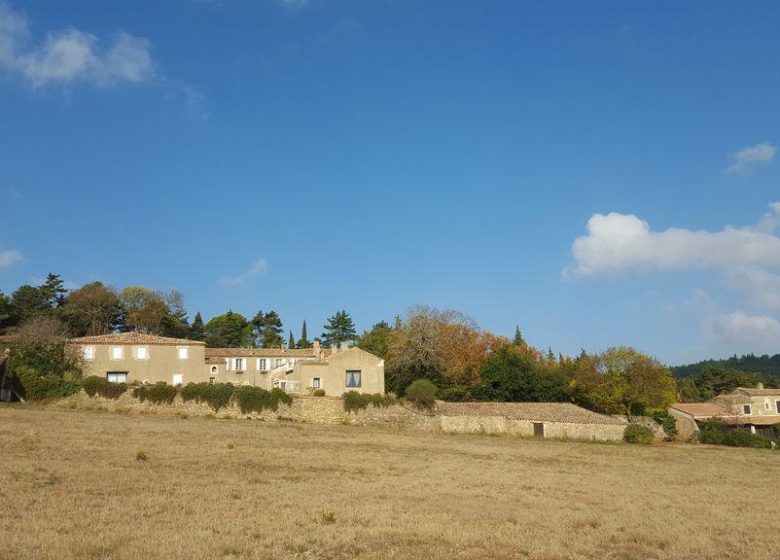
(76, 485)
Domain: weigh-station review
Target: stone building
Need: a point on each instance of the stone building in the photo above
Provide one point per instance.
(753, 408)
(144, 358)
(334, 370)
(530, 419)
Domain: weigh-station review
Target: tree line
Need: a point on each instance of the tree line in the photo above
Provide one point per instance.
(444, 347)
(96, 308)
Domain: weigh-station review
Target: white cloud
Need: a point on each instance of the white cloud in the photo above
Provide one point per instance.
(259, 268)
(760, 287)
(749, 156)
(71, 55)
(10, 258)
(741, 332)
(617, 242)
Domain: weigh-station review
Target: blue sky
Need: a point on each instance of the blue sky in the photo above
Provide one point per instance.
(522, 162)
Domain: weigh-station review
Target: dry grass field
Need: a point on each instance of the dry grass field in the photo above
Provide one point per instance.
(71, 486)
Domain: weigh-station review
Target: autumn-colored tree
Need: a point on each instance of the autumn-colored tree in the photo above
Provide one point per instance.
(92, 309)
(623, 381)
(145, 309)
(443, 346)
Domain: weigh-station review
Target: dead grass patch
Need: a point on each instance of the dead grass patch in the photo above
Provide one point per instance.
(71, 490)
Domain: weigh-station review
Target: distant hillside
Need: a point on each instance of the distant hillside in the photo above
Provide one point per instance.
(765, 365)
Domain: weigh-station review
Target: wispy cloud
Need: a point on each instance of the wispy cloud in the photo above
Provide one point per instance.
(749, 156)
(70, 55)
(259, 268)
(10, 258)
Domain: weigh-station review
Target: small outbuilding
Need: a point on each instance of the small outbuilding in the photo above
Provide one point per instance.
(530, 419)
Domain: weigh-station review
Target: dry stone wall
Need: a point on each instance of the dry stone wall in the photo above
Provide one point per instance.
(330, 410)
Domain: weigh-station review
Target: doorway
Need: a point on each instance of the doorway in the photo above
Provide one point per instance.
(538, 429)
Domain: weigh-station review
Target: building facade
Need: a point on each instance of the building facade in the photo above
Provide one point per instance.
(143, 358)
(755, 408)
(333, 370)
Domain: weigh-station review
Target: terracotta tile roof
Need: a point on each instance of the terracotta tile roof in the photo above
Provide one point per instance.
(313, 362)
(134, 338)
(736, 399)
(758, 392)
(700, 410)
(259, 353)
(533, 411)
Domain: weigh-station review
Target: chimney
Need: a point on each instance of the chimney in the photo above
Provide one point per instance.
(316, 349)
(343, 346)
(759, 385)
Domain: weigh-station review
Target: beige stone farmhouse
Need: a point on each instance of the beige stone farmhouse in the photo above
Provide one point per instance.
(755, 408)
(334, 370)
(143, 358)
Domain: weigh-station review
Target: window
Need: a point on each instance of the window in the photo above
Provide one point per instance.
(353, 378)
(214, 369)
(142, 353)
(777, 406)
(117, 353)
(183, 353)
(315, 383)
(279, 362)
(211, 380)
(239, 363)
(116, 377)
(88, 352)
(178, 379)
(263, 364)
(746, 409)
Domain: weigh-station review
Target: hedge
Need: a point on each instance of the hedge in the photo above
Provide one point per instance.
(354, 401)
(638, 434)
(715, 433)
(159, 393)
(94, 385)
(255, 399)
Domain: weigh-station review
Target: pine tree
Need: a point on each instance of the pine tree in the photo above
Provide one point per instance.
(270, 331)
(339, 328)
(197, 331)
(303, 342)
(518, 339)
(291, 341)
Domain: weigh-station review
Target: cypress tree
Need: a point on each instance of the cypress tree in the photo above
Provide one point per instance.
(291, 341)
(303, 342)
(518, 339)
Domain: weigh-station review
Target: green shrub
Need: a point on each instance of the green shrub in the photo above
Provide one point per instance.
(94, 385)
(354, 401)
(159, 393)
(37, 386)
(667, 423)
(91, 384)
(255, 399)
(216, 395)
(140, 455)
(422, 393)
(717, 434)
(638, 434)
(194, 392)
(318, 393)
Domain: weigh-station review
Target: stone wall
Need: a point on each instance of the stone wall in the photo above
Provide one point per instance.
(496, 425)
(330, 411)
